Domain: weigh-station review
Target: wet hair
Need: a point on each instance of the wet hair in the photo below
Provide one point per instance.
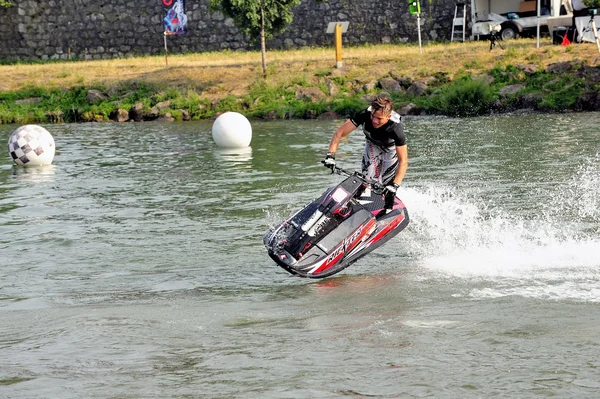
(382, 102)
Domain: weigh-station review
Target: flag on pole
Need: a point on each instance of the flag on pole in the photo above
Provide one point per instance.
(175, 22)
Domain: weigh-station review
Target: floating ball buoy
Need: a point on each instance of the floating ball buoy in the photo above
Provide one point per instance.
(232, 130)
(31, 145)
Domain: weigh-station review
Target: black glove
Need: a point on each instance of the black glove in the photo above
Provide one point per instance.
(329, 160)
(389, 192)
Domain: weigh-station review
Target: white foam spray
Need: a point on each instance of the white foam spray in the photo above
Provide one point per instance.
(551, 250)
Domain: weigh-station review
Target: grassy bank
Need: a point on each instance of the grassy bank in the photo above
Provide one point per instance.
(459, 79)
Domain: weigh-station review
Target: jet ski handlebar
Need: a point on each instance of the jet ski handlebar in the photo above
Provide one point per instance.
(340, 171)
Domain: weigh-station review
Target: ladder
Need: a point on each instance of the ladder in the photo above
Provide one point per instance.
(459, 22)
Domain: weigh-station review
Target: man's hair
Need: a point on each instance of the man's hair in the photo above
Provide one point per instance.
(382, 102)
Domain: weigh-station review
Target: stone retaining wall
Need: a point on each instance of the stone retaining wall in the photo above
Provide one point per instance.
(99, 29)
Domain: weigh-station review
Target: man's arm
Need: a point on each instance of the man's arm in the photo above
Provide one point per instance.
(402, 152)
(345, 129)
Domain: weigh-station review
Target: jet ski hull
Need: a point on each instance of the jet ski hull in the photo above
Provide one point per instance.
(347, 222)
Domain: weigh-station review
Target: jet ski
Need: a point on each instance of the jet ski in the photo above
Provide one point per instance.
(344, 224)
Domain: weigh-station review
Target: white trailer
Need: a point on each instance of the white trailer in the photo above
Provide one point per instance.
(514, 18)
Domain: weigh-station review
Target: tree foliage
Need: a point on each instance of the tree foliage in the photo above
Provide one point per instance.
(6, 3)
(258, 19)
(592, 3)
(246, 15)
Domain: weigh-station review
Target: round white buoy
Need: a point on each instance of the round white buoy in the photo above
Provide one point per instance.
(232, 130)
(31, 145)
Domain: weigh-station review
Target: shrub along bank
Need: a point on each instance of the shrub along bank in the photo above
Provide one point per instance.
(559, 87)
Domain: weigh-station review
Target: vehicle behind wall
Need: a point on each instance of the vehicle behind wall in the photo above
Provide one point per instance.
(516, 18)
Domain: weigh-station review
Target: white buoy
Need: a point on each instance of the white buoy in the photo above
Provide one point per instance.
(232, 130)
(31, 145)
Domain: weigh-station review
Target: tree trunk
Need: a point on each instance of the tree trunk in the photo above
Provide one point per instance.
(263, 46)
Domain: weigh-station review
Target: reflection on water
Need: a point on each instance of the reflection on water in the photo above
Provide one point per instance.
(34, 174)
(233, 155)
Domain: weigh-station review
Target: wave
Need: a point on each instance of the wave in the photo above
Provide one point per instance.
(548, 250)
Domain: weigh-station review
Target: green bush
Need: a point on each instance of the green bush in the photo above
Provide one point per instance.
(347, 106)
(563, 94)
(229, 103)
(169, 94)
(464, 97)
(505, 75)
(176, 114)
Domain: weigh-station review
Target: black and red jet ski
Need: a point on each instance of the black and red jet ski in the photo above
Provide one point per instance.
(344, 224)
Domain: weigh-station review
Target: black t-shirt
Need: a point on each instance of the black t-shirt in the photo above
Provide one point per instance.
(390, 134)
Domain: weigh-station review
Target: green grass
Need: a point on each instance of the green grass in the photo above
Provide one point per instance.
(450, 91)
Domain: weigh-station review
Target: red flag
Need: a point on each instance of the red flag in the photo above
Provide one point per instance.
(565, 41)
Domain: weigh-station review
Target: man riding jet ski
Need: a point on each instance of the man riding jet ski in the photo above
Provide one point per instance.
(359, 214)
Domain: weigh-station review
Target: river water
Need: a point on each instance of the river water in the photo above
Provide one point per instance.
(133, 267)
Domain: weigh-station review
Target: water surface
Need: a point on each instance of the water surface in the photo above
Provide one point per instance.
(134, 267)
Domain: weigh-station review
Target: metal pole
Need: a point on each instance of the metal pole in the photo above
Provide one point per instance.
(595, 34)
(538, 23)
(419, 26)
(338, 45)
(166, 50)
(464, 20)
